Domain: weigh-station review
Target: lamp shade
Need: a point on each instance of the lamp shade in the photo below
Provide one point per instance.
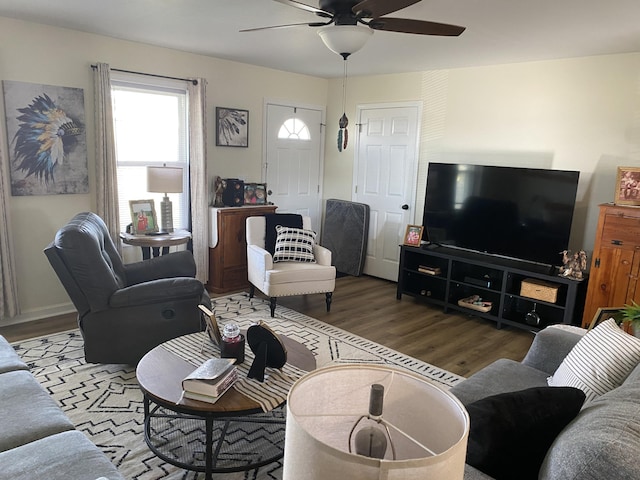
(428, 426)
(345, 39)
(164, 179)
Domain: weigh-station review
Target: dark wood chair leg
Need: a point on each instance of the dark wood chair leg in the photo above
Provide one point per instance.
(329, 296)
(272, 306)
(252, 290)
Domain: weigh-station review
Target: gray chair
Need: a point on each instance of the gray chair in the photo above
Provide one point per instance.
(124, 310)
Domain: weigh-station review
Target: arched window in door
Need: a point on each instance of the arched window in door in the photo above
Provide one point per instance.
(294, 129)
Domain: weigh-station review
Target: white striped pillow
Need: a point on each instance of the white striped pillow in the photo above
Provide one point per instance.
(294, 245)
(599, 362)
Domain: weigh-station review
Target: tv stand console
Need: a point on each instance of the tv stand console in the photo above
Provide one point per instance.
(445, 276)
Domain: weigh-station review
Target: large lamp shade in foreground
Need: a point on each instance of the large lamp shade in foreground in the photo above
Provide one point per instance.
(427, 426)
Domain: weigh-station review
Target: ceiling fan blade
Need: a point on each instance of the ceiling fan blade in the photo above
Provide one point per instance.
(288, 25)
(378, 8)
(420, 27)
(304, 6)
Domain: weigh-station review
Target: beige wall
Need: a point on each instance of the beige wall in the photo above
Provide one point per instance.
(39, 54)
(576, 114)
(579, 114)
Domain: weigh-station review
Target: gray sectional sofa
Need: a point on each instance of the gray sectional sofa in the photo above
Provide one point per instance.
(601, 442)
(38, 441)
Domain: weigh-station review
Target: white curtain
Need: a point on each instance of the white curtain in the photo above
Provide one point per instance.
(106, 173)
(198, 174)
(9, 306)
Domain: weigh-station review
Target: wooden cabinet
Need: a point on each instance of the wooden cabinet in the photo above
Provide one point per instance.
(615, 264)
(444, 276)
(228, 246)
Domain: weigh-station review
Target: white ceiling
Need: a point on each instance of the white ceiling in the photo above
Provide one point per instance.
(498, 31)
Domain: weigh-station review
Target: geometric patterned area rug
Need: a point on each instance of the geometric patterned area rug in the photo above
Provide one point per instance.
(105, 403)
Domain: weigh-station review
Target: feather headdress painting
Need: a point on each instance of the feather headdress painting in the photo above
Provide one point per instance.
(45, 128)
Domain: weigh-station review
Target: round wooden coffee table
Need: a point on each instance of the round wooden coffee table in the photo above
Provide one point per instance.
(238, 434)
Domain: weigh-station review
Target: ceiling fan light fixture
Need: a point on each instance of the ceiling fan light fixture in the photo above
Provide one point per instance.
(345, 39)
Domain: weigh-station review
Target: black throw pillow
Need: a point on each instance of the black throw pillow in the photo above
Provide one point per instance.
(510, 433)
(286, 220)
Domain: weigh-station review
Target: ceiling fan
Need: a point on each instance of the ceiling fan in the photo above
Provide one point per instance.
(341, 33)
(371, 13)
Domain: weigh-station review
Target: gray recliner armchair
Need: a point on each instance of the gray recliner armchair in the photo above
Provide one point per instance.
(124, 310)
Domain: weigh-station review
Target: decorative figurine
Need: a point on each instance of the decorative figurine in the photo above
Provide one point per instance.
(219, 189)
(574, 265)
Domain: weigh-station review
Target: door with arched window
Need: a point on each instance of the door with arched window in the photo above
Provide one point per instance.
(293, 159)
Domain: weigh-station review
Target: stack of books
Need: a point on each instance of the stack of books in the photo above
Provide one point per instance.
(210, 381)
(429, 269)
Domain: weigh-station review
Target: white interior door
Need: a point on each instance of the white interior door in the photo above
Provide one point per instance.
(293, 157)
(385, 173)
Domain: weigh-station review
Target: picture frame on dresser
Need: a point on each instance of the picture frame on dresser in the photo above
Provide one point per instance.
(255, 193)
(628, 186)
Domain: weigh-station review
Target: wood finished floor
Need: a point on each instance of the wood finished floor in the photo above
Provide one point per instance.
(367, 307)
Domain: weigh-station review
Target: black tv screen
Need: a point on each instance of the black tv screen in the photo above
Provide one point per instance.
(521, 213)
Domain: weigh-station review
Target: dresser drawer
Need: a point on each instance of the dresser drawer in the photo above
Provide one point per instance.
(621, 231)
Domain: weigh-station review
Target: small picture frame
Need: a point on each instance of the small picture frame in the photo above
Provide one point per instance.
(413, 235)
(255, 193)
(143, 217)
(606, 313)
(212, 328)
(628, 186)
(232, 127)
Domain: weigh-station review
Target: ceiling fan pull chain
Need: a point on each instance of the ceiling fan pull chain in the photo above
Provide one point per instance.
(339, 139)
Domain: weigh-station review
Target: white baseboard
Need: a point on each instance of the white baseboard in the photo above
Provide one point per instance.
(40, 314)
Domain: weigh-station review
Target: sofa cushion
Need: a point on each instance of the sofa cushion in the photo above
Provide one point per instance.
(63, 456)
(510, 433)
(294, 245)
(603, 440)
(501, 376)
(28, 412)
(600, 361)
(9, 359)
(551, 345)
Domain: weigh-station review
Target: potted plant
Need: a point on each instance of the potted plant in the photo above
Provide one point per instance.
(631, 318)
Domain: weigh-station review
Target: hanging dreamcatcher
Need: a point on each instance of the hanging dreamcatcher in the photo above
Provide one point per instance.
(343, 133)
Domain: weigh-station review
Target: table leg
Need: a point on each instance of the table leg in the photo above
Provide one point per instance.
(156, 251)
(208, 452)
(146, 253)
(165, 250)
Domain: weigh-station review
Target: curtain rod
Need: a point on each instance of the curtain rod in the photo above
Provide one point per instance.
(192, 80)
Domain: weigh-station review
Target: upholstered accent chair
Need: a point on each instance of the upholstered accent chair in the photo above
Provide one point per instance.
(286, 278)
(124, 310)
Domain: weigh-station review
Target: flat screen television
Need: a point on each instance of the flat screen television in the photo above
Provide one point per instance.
(518, 213)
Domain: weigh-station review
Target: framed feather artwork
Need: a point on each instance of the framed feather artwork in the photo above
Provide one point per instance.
(232, 127)
(47, 144)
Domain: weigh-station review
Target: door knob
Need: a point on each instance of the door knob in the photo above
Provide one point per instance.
(405, 207)
(269, 192)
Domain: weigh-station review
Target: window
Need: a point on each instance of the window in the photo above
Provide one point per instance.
(294, 129)
(150, 122)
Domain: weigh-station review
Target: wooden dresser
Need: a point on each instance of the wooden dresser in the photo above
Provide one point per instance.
(615, 265)
(228, 246)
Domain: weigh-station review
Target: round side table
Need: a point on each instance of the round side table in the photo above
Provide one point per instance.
(156, 242)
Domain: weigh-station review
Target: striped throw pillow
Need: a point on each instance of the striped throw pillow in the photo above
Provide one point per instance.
(294, 245)
(600, 361)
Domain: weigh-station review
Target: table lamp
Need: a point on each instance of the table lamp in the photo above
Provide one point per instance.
(426, 426)
(165, 180)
